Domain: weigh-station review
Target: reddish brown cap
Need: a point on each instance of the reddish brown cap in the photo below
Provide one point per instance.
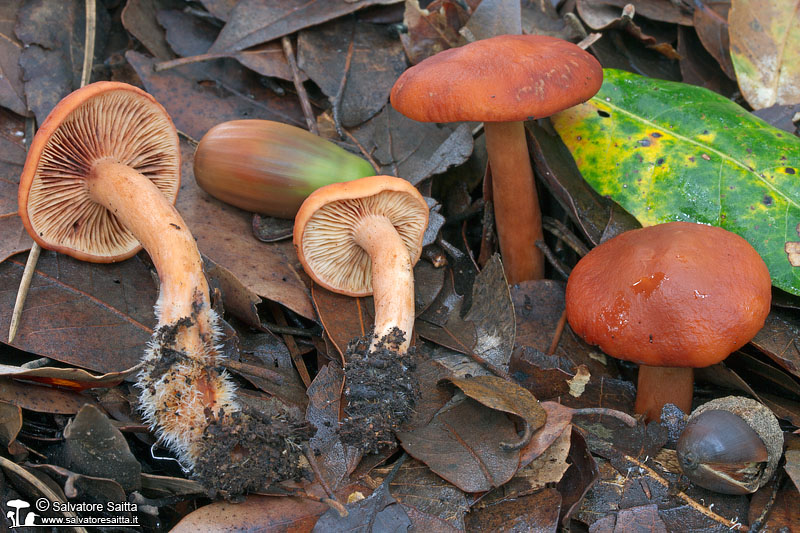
(506, 78)
(102, 121)
(676, 294)
(323, 229)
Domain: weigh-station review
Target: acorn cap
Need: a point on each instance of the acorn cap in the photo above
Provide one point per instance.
(671, 295)
(102, 121)
(759, 417)
(324, 225)
(507, 78)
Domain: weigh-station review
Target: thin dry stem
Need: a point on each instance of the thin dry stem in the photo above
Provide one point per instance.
(705, 511)
(298, 85)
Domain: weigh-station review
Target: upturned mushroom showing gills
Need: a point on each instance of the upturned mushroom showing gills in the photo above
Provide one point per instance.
(268, 167)
(99, 183)
(359, 238)
(364, 237)
(671, 297)
(503, 81)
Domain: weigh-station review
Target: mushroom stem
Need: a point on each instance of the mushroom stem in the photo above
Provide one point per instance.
(392, 279)
(660, 385)
(181, 392)
(143, 209)
(516, 204)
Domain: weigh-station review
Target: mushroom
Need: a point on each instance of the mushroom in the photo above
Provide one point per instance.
(363, 237)
(268, 167)
(99, 183)
(503, 81)
(671, 297)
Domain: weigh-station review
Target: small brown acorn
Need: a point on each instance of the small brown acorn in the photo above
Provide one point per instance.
(731, 445)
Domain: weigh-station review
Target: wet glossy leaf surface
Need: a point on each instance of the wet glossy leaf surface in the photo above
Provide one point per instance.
(640, 138)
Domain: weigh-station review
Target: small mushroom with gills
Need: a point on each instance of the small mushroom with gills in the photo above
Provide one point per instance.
(359, 238)
(99, 184)
(672, 297)
(503, 81)
(364, 237)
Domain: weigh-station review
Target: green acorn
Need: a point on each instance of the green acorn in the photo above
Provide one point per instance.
(268, 167)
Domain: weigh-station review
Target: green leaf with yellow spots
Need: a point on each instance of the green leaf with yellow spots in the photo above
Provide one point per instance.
(671, 151)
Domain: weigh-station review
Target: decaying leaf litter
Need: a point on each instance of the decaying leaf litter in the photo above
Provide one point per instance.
(470, 457)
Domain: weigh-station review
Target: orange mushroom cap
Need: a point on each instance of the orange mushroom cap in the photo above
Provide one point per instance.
(671, 295)
(103, 121)
(323, 229)
(502, 79)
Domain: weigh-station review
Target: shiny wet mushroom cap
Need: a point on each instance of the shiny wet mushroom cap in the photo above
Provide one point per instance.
(105, 121)
(671, 297)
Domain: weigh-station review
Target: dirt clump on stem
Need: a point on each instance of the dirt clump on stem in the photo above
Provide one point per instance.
(381, 391)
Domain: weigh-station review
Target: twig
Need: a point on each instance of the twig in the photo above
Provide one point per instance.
(331, 500)
(589, 40)
(24, 287)
(337, 101)
(560, 230)
(605, 411)
(522, 441)
(294, 351)
(298, 85)
(88, 42)
(366, 154)
(36, 363)
(683, 496)
(33, 256)
(180, 61)
(287, 330)
(562, 321)
(253, 370)
(563, 269)
(194, 142)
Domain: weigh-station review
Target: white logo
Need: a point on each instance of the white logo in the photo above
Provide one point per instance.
(14, 516)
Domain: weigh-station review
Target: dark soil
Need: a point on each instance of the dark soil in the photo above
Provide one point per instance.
(381, 390)
(248, 451)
